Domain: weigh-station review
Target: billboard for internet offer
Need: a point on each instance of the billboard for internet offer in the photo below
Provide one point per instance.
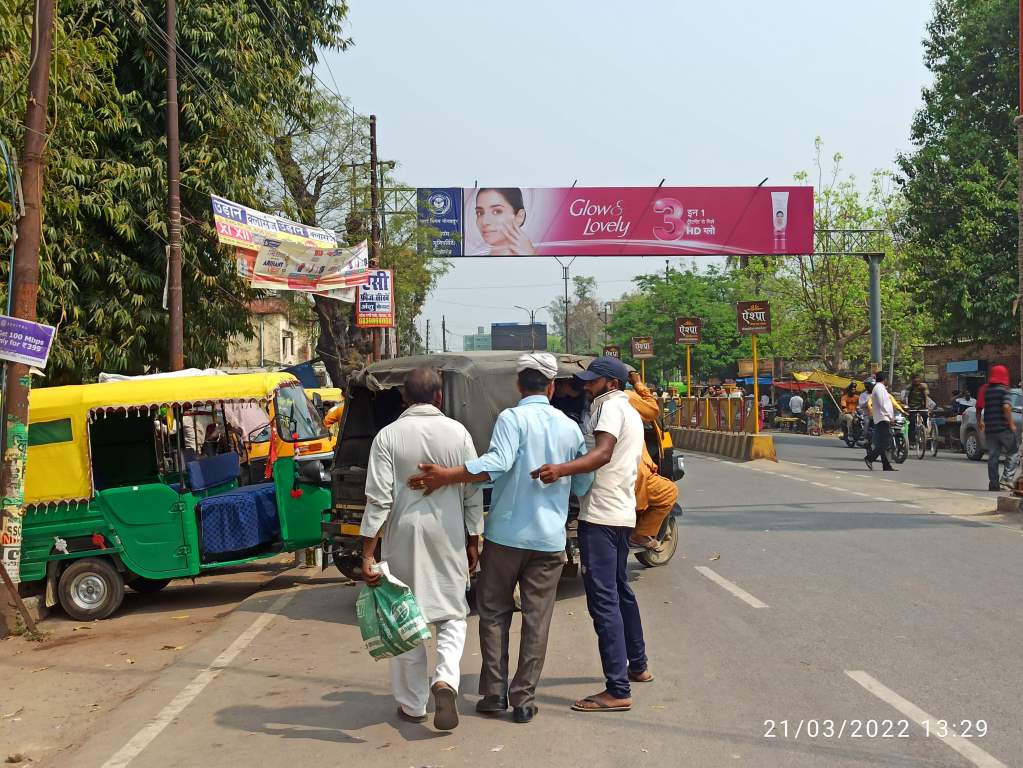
(618, 221)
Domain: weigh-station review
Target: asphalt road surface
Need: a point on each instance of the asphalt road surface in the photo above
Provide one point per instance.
(817, 615)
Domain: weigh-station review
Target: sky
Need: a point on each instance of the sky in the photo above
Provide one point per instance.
(543, 93)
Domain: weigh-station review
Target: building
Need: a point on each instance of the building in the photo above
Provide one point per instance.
(276, 342)
(476, 342)
(518, 336)
(954, 367)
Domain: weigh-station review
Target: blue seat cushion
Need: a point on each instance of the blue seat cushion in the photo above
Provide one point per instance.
(214, 471)
(239, 519)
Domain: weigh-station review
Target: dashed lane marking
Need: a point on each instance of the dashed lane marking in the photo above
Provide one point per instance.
(736, 590)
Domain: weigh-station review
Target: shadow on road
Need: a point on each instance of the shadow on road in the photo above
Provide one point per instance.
(345, 712)
(775, 519)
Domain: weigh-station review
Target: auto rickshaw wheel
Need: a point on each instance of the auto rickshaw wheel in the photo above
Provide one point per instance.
(669, 545)
(146, 586)
(348, 565)
(90, 589)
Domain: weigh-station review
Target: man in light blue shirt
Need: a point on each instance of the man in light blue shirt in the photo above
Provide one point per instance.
(524, 532)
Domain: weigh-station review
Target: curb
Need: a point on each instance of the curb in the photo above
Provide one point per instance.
(741, 446)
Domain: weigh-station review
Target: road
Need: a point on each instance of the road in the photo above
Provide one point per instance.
(816, 616)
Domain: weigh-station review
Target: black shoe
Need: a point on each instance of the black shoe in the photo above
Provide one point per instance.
(403, 715)
(491, 705)
(869, 463)
(994, 487)
(890, 469)
(524, 714)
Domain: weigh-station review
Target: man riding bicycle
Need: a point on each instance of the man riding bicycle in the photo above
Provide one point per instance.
(917, 400)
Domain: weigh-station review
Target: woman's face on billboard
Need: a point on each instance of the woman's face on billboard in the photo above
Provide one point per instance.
(495, 217)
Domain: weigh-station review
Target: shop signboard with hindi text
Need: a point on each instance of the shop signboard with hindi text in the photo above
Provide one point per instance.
(753, 316)
(618, 221)
(613, 350)
(688, 330)
(375, 307)
(765, 367)
(642, 347)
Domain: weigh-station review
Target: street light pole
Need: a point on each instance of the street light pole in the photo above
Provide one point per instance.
(532, 324)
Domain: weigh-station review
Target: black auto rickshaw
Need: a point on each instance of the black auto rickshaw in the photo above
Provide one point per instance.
(477, 386)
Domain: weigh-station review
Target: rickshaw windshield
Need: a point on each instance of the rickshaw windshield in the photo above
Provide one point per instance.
(297, 418)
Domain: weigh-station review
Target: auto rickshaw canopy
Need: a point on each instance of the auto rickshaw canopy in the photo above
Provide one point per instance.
(59, 465)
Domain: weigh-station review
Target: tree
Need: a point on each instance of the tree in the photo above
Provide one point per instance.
(242, 71)
(960, 219)
(651, 311)
(585, 316)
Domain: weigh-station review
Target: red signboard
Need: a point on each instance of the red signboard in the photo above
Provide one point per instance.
(642, 347)
(614, 351)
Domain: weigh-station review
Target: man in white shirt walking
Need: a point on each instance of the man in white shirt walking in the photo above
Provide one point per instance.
(796, 404)
(606, 519)
(882, 410)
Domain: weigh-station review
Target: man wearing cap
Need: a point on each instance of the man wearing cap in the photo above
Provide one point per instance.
(524, 532)
(606, 519)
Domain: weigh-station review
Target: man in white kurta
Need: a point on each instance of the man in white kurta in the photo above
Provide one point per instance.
(428, 541)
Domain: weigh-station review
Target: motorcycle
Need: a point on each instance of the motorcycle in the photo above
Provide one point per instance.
(899, 449)
(856, 436)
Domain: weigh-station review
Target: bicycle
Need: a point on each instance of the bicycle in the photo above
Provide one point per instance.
(925, 434)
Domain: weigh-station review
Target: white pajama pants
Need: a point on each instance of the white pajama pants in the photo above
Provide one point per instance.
(409, 679)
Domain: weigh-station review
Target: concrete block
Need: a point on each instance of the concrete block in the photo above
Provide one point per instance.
(762, 447)
(10, 618)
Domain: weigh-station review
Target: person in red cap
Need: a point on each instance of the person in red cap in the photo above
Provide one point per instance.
(995, 420)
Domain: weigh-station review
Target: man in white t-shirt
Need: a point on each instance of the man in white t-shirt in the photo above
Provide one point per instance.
(606, 518)
(796, 404)
(882, 411)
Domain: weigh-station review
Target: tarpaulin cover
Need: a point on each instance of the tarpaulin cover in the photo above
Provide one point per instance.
(477, 387)
(828, 379)
(239, 520)
(802, 386)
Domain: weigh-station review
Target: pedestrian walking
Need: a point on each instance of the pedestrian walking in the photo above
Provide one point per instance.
(996, 422)
(606, 519)
(524, 534)
(882, 411)
(430, 542)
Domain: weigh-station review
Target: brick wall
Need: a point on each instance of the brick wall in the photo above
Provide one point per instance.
(940, 355)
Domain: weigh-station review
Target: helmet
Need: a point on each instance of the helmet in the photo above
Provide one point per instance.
(869, 384)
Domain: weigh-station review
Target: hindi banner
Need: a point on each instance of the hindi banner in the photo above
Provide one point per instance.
(375, 307)
(753, 316)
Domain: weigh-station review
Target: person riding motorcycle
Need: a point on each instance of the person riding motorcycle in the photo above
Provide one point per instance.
(850, 403)
(918, 399)
(655, 495)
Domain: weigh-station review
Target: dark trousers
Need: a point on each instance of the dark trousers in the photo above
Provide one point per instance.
(996, 442)
(537, 574)
(882, 442)
(604, 554)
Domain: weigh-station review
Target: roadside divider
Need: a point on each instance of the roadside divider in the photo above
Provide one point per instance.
(743, 446)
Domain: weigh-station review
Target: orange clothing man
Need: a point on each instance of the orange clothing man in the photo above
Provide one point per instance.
(655, 495)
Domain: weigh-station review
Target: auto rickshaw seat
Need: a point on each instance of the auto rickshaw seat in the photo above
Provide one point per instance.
(213, 471)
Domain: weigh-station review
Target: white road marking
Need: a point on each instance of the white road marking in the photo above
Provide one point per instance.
(964, 747)
(739, 592)
(882, 498)
(188, 694)
(819, 485)
(859, 493)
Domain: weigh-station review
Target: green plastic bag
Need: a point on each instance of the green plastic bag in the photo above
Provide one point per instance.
(389, 617)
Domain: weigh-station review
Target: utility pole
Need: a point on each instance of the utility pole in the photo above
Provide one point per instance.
(175, 303)
(374, 204)
(427, 335)
(1019, 192)
(22, 294)
(532, 324)
(444, 333)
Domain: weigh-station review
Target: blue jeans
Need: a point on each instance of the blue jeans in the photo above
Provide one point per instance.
(604, 554)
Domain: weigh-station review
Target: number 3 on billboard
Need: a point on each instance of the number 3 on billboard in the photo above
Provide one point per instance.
(673, 213)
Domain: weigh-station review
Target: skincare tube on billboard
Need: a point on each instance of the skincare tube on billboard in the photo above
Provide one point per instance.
(780, 218)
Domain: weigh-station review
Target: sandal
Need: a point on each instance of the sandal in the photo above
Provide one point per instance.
(593, 704)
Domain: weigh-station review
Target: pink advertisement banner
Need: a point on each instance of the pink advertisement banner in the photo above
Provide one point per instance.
(636, 221)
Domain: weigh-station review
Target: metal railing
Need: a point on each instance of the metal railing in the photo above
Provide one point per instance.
(720, 414)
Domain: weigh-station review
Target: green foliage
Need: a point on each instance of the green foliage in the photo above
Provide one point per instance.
(651, 311)
(242, 72)
(585, 317)
(960, 220)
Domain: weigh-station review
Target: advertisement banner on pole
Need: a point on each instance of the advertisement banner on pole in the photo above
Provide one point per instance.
(22, 341)
(279, 254)
(613, 350)
(642, 347)
(375, 307)
(753, 316)
(627, 221)
(688, 330)
(441, 210)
